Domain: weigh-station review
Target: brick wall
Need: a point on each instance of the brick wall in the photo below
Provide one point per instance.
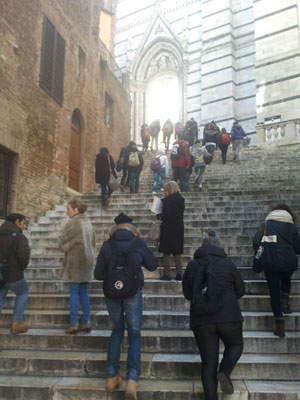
(33, 125)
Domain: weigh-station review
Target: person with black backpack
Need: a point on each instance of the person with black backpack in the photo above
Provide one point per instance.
(119, 265)
(213, 285)
(14, 258)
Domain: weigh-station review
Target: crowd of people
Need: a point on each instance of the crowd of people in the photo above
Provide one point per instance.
(210, 282)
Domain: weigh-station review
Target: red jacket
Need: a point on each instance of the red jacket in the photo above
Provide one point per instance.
(184, 161)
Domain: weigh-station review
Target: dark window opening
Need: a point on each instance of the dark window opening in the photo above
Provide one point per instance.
(52, 61)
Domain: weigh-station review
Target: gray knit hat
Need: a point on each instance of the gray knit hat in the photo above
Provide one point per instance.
(211, 237)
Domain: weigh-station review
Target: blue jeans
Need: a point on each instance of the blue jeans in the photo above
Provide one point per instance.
(20, 288)
(79, 293)
(130, 310)
(159, 179)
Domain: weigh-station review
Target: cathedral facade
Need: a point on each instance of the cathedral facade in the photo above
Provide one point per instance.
(231, 59)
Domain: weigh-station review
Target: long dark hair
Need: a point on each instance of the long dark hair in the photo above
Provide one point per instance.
(285, 207)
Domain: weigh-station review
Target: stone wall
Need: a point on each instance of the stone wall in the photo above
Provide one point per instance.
(277, 66)
(35, 127)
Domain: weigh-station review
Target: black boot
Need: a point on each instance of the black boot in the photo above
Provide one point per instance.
(279, 329)
(285, 303)
(225, 383)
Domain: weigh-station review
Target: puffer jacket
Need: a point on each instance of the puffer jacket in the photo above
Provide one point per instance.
(226, 274)
(12, 239)
(123, 234)
(280, 223)
(237, 133)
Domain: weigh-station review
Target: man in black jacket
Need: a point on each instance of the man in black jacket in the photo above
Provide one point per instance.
(14, 248)
(224, 324)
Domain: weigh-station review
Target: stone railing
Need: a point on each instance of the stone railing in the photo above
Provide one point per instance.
(279, 132)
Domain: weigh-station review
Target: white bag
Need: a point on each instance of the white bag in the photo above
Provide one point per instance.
(154, 232)
(113, 183)
(156, 206)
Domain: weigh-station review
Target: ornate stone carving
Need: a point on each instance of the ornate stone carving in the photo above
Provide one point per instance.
(163, 62)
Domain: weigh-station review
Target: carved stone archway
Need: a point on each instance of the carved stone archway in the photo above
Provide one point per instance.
(161, 55)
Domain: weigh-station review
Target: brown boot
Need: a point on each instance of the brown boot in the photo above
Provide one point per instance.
(72, 330)
(130, 393)
(19, 327)
(113, 383)
(279, 329)
(85, 328)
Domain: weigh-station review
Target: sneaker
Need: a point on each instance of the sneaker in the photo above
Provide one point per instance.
(154, 192)
(85, 328)
(178, 276)
(225, 383)
(165, 278)
(200, 186)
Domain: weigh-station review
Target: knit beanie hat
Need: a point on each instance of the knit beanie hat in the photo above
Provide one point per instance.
(123, 219)
(211, 237)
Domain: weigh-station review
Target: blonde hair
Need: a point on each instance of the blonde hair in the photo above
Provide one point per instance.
(80, 205)
(171, 187)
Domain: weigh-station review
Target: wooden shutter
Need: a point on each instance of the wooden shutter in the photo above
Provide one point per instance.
(52, 61)
(59, 66)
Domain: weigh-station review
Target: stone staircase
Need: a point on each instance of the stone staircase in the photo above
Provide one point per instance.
(47, 364)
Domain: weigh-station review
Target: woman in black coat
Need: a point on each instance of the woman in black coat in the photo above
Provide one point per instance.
(224, 322)
(172, 230)
(280, 226)
(104, 166)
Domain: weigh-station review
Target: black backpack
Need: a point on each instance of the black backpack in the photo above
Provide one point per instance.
(4, 265)
(207, 292)
(122, 279)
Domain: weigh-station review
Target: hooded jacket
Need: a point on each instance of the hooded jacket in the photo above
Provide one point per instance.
(280, 223)
(226, 274)
(12, 239)
(123, 234)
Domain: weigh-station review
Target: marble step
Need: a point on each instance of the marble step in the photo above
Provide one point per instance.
(151, 286)
(175, 302)
(22, 387)
(285, 367)
(152, 319)
(153, 341)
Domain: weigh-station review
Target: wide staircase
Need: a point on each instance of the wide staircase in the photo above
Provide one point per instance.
(45, 363)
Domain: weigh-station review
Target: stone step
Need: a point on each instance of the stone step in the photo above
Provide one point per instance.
(53, 273)
(175, 302)
(152, 319)
(153, 365)
(151, 286)
(153, 341)
(66, 388)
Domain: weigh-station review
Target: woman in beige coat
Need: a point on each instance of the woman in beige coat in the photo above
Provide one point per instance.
(78, 243)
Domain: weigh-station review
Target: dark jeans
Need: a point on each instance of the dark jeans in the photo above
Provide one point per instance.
(134, 179)
(207, 338)
(105, 192)
(181, 176)
(224, 148)
(278, 282)
(124, 177)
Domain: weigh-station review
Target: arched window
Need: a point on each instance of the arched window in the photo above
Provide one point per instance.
(77, 120)
(75, 150)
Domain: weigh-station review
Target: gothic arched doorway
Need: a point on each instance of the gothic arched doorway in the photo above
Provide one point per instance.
(75, 150)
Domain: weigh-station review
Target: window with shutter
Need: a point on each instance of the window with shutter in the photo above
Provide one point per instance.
(52, 61)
